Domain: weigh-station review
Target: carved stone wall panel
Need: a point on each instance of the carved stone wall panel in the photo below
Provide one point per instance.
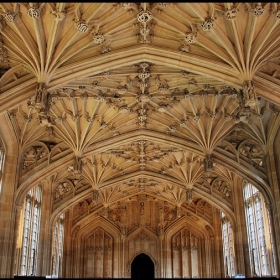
(185, 254)
(99, 255)
(141, 242)
(34, 156)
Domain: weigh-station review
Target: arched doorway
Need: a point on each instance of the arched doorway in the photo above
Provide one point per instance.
(142, 267)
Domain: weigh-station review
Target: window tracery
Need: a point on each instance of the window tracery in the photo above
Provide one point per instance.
(259, 233)
(57, 245)
(30, 231)
(228, 249)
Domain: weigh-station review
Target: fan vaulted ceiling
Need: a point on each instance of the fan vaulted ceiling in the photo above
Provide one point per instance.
(118, 100)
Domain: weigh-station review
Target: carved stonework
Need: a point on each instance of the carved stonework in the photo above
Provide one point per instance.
(62, 189)
(250, 97)
(82, 26)
(80, 209)
(34, 12)
(98, 38)
(33, 157)
(252, 153)
(204, 209)
(223, 188)
(230, 14)
(95, 196)
(99, 240)
(189, 196)
(41, 96)
(58, 16)
(207, 24)
(208, 163)
(3, 52)
(129, 6)
(10, 16)
(257, 9)
(190, 37)
(144, 16)
(76, 168)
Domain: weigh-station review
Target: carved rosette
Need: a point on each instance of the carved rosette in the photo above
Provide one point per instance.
(10, 16)
(207, 24)
(257, 9)
(230, 14)
(191, 37)
(98, 38)
(82, 26)
(33, 12)
(144, 16)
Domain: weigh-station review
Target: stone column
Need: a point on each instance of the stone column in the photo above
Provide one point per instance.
(7, 215)
(16, 249)
(67, 245)
(45, 238)
(242, 260)
(218, 260)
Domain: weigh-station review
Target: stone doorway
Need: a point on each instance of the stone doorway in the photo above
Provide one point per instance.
(142, 267)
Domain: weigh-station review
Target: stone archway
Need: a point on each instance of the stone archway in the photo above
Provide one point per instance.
(142, 267)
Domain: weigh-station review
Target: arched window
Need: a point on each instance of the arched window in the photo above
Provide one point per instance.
(57, 245)
(228, 251)
(259, 233)
(30, 231)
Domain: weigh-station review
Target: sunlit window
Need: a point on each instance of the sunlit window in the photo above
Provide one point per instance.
(259, 233)
(228, 251)
(31, 227)
(57, 248)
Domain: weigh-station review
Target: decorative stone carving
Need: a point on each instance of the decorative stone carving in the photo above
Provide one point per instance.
(189, 196)
(204, 209)
(82, 26)
(95, 196)
(10, 16)
(33, 157)
(223, 188)
(142, 118)
(231, 13)
(34, 12)
(208, 163)
(3, 52)
(190, 37)
(144, 16)
(163, 5)
(100, 241)
(98, 38)
(58, 15)
(192, 82)
(207, 24)
(277, 14)
(41, 96)
(185, 48)
(252, 153)
(80, 209)
(76, 168)
(257, 9)
(62, 189)
(129, 6)
(250, 97)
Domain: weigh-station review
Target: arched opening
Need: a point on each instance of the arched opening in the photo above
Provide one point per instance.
(142, 267)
